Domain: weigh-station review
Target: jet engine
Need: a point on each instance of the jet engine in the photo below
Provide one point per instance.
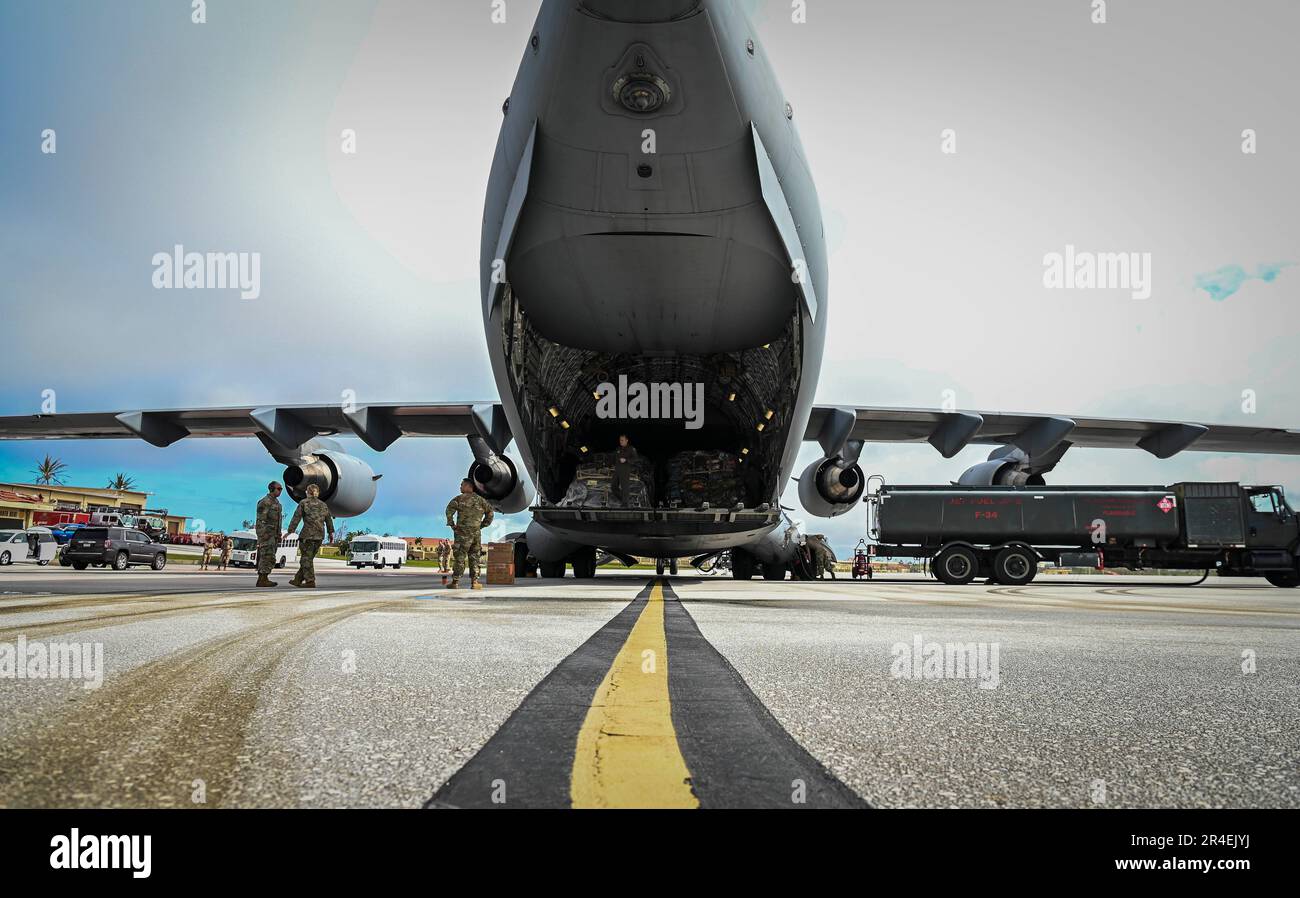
(999, 472)
(496, 479)
(831, 486)
(347, 484)
(1010, 466)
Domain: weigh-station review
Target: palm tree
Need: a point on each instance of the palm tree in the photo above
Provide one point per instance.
(121, 482)
(49, 471)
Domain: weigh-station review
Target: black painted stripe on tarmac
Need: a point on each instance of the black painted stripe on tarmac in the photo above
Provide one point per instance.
(738, 755)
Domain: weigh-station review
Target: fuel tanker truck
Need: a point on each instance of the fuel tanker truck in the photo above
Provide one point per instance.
(1002, 532)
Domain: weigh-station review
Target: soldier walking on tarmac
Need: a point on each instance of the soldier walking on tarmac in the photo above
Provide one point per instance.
(316, 518)
(269, 518)
(442, 555)
(467, 515)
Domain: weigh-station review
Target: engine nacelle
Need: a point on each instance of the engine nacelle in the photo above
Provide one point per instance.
(1000, 472)
(496, 479)
(347, 484)
(831, 486)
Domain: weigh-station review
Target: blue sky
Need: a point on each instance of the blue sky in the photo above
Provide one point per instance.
(225, 137)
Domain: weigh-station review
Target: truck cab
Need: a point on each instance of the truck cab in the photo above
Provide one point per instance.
(1269, 519)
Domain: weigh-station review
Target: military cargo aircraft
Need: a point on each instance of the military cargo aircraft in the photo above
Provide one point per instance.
(650, 221)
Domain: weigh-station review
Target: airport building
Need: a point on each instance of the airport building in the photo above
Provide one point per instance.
(39, 505)
(423, 548)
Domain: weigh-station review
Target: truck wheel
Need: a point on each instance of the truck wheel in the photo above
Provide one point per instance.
(956, 566)
(159, 561)
(774, 572)
(1015, 566)
(79, 565)
(120, 561)
(1283, 579)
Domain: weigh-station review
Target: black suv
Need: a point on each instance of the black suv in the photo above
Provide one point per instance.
(115, 547)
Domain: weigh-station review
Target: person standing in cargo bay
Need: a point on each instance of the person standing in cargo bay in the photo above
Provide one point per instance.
(467, 515)
(624, 458)
(316, 518)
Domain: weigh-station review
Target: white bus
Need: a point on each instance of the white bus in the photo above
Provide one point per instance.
(377, 550)
(244, 551)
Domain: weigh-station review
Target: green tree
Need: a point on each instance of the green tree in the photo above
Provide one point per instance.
(121, 482)
(49, 471)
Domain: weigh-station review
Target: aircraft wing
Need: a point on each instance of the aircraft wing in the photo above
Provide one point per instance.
(378, 425)
(951, 431)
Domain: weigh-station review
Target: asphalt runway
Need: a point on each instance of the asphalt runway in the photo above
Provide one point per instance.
(383, 689)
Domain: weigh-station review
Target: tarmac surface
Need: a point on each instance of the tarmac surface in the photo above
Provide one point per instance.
(385, 689)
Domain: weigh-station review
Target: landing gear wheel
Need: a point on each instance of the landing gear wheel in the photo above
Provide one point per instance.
(1015, 566)
(1283, 579)
(659, 567)
(521, 559)
(672, 566)
(774, 572)
(584, 563)
(742, 565)
(956, 566)
(551, 570)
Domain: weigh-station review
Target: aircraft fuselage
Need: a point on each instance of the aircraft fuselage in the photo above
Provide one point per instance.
(651, 219)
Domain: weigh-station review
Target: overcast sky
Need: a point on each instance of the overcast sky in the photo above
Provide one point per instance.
(1116, 137)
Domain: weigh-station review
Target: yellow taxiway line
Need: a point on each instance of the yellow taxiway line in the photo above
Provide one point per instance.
(627, 754)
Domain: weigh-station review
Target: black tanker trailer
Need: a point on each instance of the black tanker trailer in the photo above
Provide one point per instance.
(1003, 532)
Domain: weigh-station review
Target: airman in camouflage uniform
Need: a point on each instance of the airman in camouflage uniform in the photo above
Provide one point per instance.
(316, 518)
(206, 560)
(269, 518)
(442, 556)
(227, 546)
(823, 558)
(467, 515)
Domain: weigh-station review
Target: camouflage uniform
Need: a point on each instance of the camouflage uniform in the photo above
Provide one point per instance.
(474, 514)
(316, 518)
(227, 545)
(823, 559)
(270, 517)
(207, 555)
(442, 556)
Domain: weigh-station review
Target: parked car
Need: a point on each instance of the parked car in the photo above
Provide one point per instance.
(115, 547)
(33, 546)
(63, 532)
